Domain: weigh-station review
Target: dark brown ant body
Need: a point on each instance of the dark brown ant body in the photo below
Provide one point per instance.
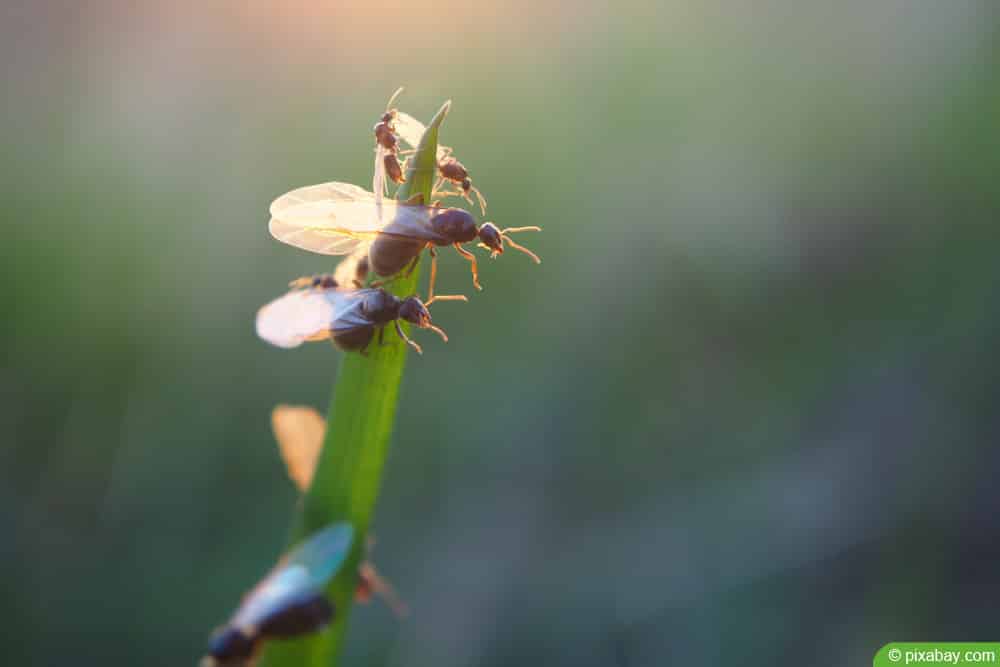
(386, 139)
(385, 132)
(393, 169)
(355, 328)
(230, 647)
(449, 168)
(454, 171)
(288, 602)
(338, 219)
(395, 248)
(387, 148)
(299, 431)
(346, 317)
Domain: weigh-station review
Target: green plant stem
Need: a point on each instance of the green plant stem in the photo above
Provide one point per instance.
(361, 416)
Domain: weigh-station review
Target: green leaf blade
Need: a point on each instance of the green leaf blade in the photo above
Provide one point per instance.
(361, 417)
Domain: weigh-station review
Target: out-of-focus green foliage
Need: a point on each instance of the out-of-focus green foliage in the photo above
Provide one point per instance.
(744, 410)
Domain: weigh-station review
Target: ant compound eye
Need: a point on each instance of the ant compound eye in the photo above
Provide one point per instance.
(414, 312)
(467, 184)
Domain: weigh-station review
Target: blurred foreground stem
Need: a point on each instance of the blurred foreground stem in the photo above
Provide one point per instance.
(361, 415)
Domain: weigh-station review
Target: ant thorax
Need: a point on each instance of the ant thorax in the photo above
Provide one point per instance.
(455, 224)
(453, 170)
(380, 307)
(385, 136)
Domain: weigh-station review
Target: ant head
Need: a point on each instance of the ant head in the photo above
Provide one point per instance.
(455, 224)
(415, 312)
(228, 643)
(491, 238)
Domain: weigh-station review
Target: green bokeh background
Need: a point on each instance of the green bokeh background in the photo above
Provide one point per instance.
(743, 413)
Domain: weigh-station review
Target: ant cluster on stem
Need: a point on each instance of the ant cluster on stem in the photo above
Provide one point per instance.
(380, 239)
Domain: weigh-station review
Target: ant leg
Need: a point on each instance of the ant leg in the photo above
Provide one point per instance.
(399, 330)
(431, 298)
(381, 336)
(473, 266)
(444, 152)
(383, 588)
(481, 198)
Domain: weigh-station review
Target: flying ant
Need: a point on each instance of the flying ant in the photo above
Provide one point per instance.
(454, 171)
(410, 130)
(288, 602)
(299, 431)
(347, 317)
(332, 220)
(386, 150)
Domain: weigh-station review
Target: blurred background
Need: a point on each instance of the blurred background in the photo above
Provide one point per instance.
(743, 413)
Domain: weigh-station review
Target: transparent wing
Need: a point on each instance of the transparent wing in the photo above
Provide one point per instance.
(304, 571)
(299, 430)
(333, 191)
(411, 130)
(305, 315)
(343, 225)
(306, 218)
(378, 179)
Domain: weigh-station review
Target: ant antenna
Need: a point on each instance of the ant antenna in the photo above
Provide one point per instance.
(382, 587)
(479, 196)
(513, 230)
(388, 105)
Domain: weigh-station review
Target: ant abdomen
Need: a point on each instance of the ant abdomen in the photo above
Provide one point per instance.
(393, 169)
(388, 255)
